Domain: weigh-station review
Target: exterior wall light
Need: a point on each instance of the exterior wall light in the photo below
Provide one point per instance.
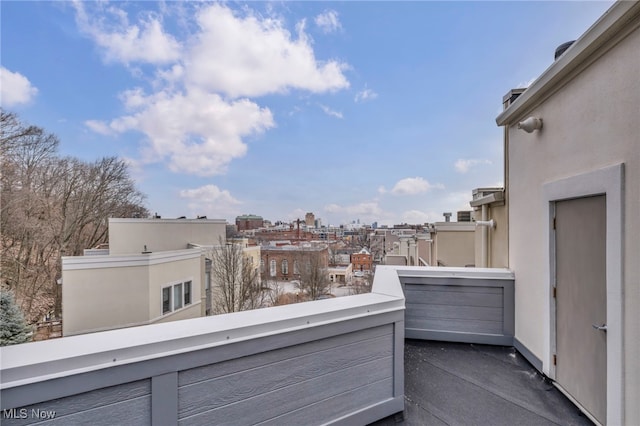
(530, 124)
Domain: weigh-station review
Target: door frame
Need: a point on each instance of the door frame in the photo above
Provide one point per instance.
(607, 181)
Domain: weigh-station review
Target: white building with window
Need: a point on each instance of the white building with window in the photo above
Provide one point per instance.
(153, 272)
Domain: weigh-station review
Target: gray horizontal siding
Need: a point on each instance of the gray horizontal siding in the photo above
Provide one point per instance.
(459, 309)
(129, 403)
(302, 376)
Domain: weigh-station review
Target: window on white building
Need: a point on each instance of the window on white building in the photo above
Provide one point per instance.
(187, 293)
(176, 296)
(166, 300)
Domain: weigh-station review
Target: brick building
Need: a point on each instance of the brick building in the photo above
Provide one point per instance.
(249, 221)
(286, 263)
(362, 261)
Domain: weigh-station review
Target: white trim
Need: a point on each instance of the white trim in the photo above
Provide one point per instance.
(71, 263)
(164, 221)
(128, 325)
(448, 272)
(454, 226)
(608, 181)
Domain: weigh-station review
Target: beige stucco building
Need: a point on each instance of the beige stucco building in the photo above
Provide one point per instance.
(453, 244)
(573, 196)
(153, 272)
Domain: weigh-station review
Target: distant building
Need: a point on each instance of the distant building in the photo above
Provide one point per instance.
(249, 221)
(362, 261)
(310, 220)
(285, 263)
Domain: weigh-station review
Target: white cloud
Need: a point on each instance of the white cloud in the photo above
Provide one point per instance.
(198, 132)
(195, 115)
(382, 190)
(464, 165)
(296, 214)
(368, 209)
(15, 88)
(145, 41)
(413, 186)
(365, 95)
(415, 217)
(330, 112)
(99, 127)
(255, 56)
(328, 21)
(211, 201)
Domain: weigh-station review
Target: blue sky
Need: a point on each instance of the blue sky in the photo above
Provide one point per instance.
(378, 111)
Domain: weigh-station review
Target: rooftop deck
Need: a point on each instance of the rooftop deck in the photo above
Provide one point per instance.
(468, 384)
(335, 361)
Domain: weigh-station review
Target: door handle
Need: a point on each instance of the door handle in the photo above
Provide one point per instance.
(602, 327)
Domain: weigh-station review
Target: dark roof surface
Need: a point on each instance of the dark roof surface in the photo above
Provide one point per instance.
(468, 384)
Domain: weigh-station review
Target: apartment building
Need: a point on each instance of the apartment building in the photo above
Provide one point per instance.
(153, 271)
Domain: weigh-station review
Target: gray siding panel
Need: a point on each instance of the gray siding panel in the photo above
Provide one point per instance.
(72, 409)
(491, 298)
(211, 371)
(464, 312)
(293, 374)
(337, 406)
(300, 397)
(460, 309)
(133, 411)
(459, 326)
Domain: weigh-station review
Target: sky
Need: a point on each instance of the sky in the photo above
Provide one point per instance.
(372, 111)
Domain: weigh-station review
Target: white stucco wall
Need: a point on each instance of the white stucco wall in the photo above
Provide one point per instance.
(174, 272)
(107, 292)
(128, 236)
(590, 123)
(104, 298)
(454, 244)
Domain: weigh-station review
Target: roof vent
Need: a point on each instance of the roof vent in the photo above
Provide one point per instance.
(561, 49)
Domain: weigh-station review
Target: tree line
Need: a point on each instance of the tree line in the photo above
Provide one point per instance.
(52, 206)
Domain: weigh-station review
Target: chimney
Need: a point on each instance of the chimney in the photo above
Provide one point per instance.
(447, 217)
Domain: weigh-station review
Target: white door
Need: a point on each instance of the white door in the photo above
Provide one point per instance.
(581, 338)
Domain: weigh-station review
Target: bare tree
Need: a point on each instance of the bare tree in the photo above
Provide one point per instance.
(361, 286)
(314, 277)
(51, 207)
(236, 281)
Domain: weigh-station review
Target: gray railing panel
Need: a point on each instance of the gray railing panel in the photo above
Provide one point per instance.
(458, 306)
(292, 376)
(334, 361)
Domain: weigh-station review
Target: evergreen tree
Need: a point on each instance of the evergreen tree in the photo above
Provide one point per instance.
(13, 327)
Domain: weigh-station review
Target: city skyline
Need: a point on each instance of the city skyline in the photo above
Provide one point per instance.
(375, 111)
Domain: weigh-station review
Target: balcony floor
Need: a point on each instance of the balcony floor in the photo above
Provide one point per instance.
(468, 384)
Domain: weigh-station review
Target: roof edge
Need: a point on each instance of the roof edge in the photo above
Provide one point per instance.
(603, 30)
